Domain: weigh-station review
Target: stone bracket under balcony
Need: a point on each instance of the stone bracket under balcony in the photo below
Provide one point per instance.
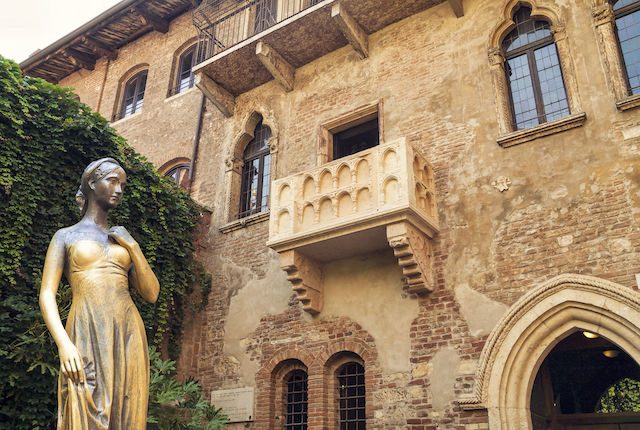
(378, 198)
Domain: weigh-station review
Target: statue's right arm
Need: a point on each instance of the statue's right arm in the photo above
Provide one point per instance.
(70, 359)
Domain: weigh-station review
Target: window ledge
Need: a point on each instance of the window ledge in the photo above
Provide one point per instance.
(126, 118)
(180, 94)
(551, 127)
(243, 222)
(627, 103)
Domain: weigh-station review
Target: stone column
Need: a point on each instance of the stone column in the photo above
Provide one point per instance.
(501, 88)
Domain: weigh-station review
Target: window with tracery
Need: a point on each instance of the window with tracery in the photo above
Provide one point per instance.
(627, 23)
(256, 173)
(296, 400)
(351, 396)
(536, 85)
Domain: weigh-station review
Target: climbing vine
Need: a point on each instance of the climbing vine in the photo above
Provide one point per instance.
(46, 140)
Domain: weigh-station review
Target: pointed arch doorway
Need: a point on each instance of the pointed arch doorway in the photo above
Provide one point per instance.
(552, 316)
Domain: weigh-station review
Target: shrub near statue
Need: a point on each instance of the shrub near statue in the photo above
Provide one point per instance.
(104, 363)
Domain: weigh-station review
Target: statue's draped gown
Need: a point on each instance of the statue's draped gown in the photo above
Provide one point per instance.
(106, 327)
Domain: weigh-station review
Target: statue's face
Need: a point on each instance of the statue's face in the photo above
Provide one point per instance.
(107, 191)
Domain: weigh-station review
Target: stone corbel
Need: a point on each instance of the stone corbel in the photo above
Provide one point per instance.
(412, 248)
(220, 97)
(233, 163)
(305, 275)
(351, 30)
(280, 69)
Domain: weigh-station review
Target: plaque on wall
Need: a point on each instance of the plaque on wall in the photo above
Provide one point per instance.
(236, 403)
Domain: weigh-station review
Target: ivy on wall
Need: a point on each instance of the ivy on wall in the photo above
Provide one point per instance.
(46, 141)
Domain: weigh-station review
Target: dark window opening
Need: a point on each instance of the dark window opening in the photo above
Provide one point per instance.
(296, 400)
(536, 86)
(576, 385)
(356, 139)
(627, 15)
(351, 397)
(133, 95)
(179, 174)
(254, 190)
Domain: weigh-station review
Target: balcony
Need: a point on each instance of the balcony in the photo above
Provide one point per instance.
(378, 198)
(246, 43)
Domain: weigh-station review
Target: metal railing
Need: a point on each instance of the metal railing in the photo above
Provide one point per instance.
(224, 23)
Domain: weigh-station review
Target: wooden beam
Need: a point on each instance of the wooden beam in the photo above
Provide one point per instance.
(81, 59)
(456, 5)
(158, 23)
(351, 30)
(101, 48)
(280, 69)
(220, 97)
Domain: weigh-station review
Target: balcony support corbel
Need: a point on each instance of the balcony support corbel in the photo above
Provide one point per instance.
(351, 30)
(305, 274)
(280, 69)
(220, 97)
(412, 248)
(456, 5)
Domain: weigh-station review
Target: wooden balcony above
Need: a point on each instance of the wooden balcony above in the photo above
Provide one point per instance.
(243, 50)
(378, 198)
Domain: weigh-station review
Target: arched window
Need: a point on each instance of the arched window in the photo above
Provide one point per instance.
(133, 95)
(185, 78)
(627, 18)
(295, 402)
(256, 167)
(351, 396)
(179, 174)
(536, 85)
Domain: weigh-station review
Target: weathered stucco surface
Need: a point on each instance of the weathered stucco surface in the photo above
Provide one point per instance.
(368, 290)
(254, 298)
(480, 312)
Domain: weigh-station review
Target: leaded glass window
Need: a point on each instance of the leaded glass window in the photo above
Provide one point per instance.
(627, 14)
(533, 71)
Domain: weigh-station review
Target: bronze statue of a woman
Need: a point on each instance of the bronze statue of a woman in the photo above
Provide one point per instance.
(104, 364)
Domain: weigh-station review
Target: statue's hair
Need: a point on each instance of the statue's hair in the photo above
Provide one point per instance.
(94, 172)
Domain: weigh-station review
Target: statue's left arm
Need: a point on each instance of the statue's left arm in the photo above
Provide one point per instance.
(141, 276)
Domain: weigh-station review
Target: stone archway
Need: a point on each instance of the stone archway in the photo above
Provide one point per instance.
(539, 320)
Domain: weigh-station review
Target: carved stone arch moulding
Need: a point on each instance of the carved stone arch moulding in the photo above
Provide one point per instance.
(531, 328)
(540, 10)
(604, 24)
(243, 133)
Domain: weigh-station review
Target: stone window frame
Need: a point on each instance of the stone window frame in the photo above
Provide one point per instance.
(122, 83)
(576, 118)
(603, 18)
(345, 121)
(233, 171)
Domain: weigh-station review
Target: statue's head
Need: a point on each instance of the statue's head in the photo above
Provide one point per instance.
(103, 181)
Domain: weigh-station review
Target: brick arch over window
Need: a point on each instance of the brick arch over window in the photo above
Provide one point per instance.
(269, 384)
(540, 12)
(234, 161)
(533, 326)
(175, 86)
(604, 20)
(122, 82)
(180, 167)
